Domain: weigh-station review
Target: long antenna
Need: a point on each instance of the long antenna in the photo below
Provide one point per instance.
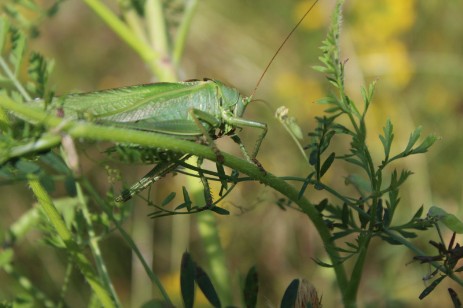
(281, 46)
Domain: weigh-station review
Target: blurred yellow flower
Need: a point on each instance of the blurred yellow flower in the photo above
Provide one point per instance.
(375, 28)
(382, 19)
(389, 62)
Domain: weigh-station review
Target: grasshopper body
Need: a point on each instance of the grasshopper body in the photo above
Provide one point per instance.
(188, 110)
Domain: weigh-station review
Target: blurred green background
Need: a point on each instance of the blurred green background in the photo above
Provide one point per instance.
(414, 49)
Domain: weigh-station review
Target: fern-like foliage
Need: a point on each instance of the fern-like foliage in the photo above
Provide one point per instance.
(28, 15)
(372, 209)
(23, 76)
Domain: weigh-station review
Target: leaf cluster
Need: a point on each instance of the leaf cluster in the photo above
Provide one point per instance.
(28, 15)
(368, 211)
(448, 257)
(371, 209)
(15, 58)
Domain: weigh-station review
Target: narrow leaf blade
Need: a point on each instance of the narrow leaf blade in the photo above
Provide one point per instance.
(187, 280)
(290, 296)
(431, 287)
(251, 288)
(205, 284)
(327, 163)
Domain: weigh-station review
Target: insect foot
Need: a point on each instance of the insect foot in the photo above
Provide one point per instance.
(220, 158)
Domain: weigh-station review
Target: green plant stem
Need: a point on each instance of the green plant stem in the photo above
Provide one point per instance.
(46, 142)
(350, 295)
(135, 23)
(150, 57)
(95, 132)
(157, 28)
(93, 242)
(63, 232)
(182, 32)
(11, 76)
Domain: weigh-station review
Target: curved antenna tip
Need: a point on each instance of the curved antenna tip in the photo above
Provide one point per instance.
(281, 46)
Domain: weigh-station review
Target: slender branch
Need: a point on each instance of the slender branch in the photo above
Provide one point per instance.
(180, 39)
(11, 76)
(46, 142)
(157, 29)
(93, 243)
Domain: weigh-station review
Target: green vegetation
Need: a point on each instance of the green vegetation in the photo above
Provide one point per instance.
(351, 192)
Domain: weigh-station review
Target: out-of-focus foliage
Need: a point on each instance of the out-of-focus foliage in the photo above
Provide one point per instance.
(28, 14)
(413, 49)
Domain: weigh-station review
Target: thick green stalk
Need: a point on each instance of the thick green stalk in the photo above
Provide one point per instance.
(159, 38)
(96, 132)
(157, 28)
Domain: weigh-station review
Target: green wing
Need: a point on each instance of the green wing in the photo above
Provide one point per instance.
(158, 107)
